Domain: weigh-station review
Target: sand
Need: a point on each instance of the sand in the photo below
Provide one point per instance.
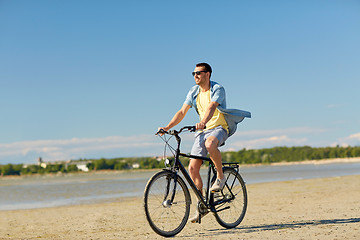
(323, 209)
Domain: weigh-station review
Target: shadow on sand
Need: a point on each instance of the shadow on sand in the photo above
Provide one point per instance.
(271, 227)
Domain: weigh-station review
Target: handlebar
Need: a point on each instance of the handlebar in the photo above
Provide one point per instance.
(174, 132)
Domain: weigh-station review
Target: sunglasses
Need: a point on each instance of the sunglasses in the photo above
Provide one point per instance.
(197, 73)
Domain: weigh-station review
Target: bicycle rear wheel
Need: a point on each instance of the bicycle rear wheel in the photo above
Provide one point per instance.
(231, 202)
(167, 203)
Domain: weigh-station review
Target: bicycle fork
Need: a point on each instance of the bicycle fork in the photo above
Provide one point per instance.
(168, 202)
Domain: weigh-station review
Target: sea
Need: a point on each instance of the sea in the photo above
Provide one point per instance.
(29, 192)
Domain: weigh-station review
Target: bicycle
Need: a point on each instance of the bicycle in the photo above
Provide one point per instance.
(167, 198)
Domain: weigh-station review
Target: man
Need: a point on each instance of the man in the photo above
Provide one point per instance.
(216, 124)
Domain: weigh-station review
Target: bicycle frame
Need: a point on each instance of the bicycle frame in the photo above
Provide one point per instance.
(179, 166)
(191, 182)
(182, 169)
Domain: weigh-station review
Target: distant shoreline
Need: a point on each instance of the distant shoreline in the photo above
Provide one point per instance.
(319, 161)
(284, 163)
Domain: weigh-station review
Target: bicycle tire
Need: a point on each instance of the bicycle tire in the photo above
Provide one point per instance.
(165, 218)
(230, 213)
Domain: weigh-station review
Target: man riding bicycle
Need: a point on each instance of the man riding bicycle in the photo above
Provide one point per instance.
(216, 124)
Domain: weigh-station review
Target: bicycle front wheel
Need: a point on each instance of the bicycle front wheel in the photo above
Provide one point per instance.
(231, 202)
(167, 203)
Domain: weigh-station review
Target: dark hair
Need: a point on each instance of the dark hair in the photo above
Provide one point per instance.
(206, 66)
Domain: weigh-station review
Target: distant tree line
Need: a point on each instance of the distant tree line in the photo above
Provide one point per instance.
(244, 156)
(290, 154)
(125, 163)
(92, 165)
(21, 169)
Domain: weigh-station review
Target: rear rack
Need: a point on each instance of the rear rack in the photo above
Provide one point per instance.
(231, 163)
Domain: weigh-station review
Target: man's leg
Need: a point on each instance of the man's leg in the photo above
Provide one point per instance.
(211, 145)
(194, 170)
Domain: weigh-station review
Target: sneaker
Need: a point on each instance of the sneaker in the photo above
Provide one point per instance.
(218, 185)
(196, 217)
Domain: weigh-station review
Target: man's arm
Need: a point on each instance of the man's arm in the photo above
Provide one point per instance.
(208, 115)
(178, 117)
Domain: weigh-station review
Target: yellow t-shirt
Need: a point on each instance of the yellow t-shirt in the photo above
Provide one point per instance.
(202, 102)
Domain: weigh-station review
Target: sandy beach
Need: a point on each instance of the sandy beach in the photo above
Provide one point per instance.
(326, 208)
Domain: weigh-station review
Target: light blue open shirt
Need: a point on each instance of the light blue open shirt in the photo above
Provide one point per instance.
(217, 94)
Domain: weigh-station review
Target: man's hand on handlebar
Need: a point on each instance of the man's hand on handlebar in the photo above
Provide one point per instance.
(200, 126)
(161, 131)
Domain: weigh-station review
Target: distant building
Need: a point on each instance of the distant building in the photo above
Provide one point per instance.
(136, 165)
(82, 166)
(41, 163)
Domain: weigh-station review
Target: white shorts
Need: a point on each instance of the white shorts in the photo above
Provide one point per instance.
(199, 148)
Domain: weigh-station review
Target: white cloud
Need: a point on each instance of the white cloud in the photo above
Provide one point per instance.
(355, 136)
(267, 142)
(272, 137)
(284, 131)
(351, 140)
(149, 145)
(51, 150)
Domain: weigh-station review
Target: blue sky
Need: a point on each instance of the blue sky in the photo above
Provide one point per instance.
(90, 79)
